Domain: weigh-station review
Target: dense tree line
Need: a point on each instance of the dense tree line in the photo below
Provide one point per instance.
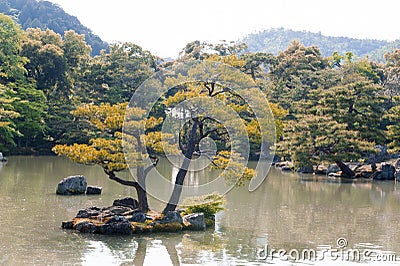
(44, 76)
(328, 108)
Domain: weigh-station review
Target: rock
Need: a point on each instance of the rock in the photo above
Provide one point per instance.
(195, 221)
(281, 164)
(377, 175)
(388, 171)
(72, 185)
(397, 176)
(304, 170)
(167, 227)
(333, 168)
(286, 168)
(320, 170)
(364, 174)
(119, 210)
(397, 164)
(116, 225)
(67, 225)
(88, 212)
(93, 190)
(172, 217)
(127, 202)
(138, 217)
(365, 171)
(117, 219)
(85, 227)
(337, 174)
(2, 158)
(210, 221)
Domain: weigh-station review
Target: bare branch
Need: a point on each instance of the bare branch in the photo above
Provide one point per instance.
(112, 176)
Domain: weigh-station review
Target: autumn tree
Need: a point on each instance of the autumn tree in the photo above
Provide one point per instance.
(106, 149)
(205, 95)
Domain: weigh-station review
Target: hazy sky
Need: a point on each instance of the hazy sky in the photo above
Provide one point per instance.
(165, 27)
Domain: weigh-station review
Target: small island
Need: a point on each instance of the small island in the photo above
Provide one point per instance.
(125, 217)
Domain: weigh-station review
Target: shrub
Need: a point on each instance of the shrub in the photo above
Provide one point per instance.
(208, 204)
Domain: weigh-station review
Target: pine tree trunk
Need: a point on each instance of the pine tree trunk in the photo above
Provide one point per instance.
(141, 190)
(180, 177)
(346, 171)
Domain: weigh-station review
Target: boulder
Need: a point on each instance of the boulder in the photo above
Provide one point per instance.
(388, 171)
(281, 164)
(2, 158)
(320, 170)
(172, 217)
(333, 168)
(127, 202)
(72, 185)
(397, 164)
(365, 171)
(286, 168)
(117, 225)
(88, 212)
(335, 174)
(85, 227)
(93, 190)
(194, 221)
(117, 210)
(138, 217)
(397, 176)
(304, 170)
(67, 225)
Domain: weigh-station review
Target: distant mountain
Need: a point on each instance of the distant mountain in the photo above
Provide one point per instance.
(276, 40)
(46, 15)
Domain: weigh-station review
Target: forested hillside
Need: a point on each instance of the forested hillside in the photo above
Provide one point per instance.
(276, 40)
(46, 15)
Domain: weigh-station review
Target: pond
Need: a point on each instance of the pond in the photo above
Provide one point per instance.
(288, 211)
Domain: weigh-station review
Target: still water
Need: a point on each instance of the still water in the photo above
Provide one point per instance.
(288, 212)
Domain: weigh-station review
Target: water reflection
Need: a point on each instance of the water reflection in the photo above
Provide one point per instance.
(288, 211)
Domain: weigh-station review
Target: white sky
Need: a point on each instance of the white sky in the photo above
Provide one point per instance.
(165, 27)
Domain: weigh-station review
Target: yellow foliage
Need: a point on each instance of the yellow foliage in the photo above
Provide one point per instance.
(108, 152)
(234, 170)
(105, 117)
(232, 60)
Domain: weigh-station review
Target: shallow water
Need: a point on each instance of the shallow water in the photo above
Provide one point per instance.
(289, 212)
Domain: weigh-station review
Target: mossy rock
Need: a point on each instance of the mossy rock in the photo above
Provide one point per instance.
(167, 227)
(142, 227)
(210, 223)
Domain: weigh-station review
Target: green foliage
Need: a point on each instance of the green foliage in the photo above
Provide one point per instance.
(208, 204)
(113, 77)
(23, 107)
(394, 129)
